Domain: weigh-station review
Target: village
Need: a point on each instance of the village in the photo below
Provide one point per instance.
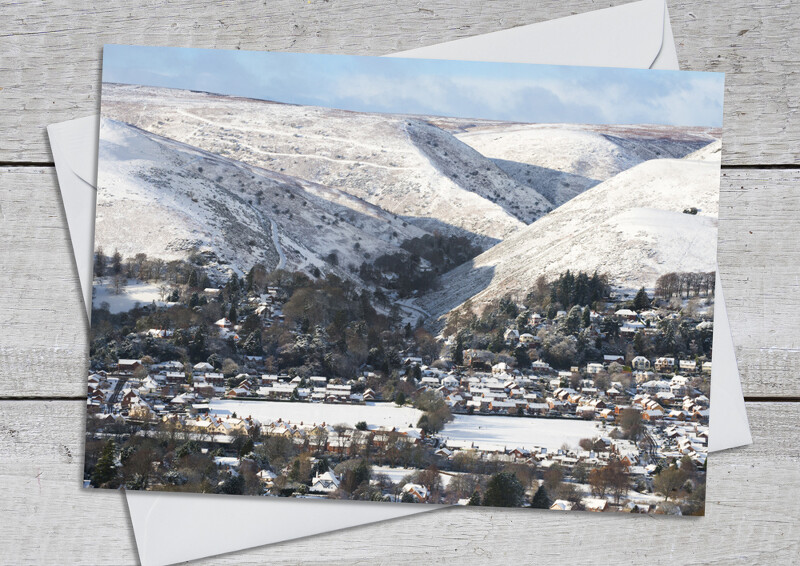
(647, 419)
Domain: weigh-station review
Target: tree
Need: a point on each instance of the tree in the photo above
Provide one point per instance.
(540, 499)
(106, 469)
(573, 321)
(503, 490)
(116, 262)
(99, 262)
(580, 472)
(631, 422)
(361, 425)
(475, 498)
(354, 476)
(232, 315)
(616, 475)
(232, 485)
(641, 301)
(457, 352)
(553, 477)
(597, 481)
(586, 318)
(669, 480)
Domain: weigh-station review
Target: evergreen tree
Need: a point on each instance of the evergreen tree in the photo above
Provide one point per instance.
(106, 468)
(587, 317)
(475, 499)
(232, 315)
(522, 357)
(252, 345)
(503, 490)
(574, 319)
(193, 282)
(641, 301)
(540, 499)
(99, 262)
(458, 350)
(116, 262)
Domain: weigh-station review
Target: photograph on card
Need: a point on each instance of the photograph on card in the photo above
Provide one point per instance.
(404, 281)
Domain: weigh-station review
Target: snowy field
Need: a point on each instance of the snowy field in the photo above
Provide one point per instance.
(134, 292)
(397, 475)
(497, 433)
(375, 414)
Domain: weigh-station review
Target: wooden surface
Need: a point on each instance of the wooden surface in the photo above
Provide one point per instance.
(49, 71)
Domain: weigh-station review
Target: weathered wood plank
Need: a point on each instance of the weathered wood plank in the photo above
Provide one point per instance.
(759, 262)
(752, 516)
(50, 52)
(44, 351)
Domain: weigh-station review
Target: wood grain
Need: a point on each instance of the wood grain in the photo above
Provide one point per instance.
(751, 517)
(44, 353)
(50, 51)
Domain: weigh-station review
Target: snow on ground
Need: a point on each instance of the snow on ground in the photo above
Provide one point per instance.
(631, 227)
(134, 292)
(396, 475)
(498, 433)
(375, 414)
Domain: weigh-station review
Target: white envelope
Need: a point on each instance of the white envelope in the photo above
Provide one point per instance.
(636, 35)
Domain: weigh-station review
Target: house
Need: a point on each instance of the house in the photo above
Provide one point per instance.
(687, 365)
(511, 335)
(540, 366)
(501, 368)
(640, 363)
(478, 359)
(202, 367)
(223, 323)
(562, 505)
(327, 482)
(419, 492)
(656, 386)
(665, 364)
(611, 358)
(627, 314)
(526, 338)
(128, 366)
(594, 504)
(594, 367)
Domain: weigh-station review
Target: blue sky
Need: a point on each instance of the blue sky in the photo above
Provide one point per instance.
(501, 91)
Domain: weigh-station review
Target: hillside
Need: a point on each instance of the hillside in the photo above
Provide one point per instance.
(630, 227)
(563, 160)
(166, 199)
(403, 164)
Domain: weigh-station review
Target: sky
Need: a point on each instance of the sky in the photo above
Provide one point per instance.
(465, 89)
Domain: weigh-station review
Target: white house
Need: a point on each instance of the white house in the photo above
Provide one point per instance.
(325, 483)
(640, 363)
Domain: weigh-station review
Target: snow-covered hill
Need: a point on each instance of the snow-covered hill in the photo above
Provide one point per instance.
(631, 227)
(403, 164)
(563, 160)
(166, 199)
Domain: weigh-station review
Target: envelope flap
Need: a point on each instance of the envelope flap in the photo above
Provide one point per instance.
(631, 36)
(76, 139)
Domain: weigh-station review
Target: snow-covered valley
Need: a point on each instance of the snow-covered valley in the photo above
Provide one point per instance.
(324, 191)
